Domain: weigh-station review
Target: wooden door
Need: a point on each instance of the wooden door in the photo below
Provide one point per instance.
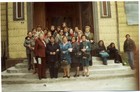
(39, 14)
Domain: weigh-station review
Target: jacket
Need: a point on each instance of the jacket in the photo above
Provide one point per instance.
(40, 48)
(52, 48)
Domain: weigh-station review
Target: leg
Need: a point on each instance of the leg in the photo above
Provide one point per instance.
(65, 72)
(131, 59)
(68, 71)
(43, 67)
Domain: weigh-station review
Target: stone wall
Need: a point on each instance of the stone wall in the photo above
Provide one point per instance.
(17, 31)
(107, 26)
(124, 29)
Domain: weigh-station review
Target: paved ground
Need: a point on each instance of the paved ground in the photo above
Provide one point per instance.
(88, 85)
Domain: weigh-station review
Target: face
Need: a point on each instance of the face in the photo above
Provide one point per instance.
(113, 45)
(73, 39)
(30, 34)
(61, 32)
(65, 29)
(58, 28)
(34, 31)
(76, 29)
(87, 29)
(101, 43)
(49, 34)
(71, 31)
(41, 36)
(127, 37)
(45, 31)
(52, 39)
(65, 40)
(52, 28)
(64, 24)
(83, 38)
(39, 29)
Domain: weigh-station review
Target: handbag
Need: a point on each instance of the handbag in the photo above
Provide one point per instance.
(104, 54)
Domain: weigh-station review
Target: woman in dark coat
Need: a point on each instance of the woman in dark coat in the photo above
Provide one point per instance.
(85, 47)
(101, 48)
(75, 56)
(113, 53)
(40, 53)
(52, 50)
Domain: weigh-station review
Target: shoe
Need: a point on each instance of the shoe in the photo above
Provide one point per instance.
(68, 76)
(87, 75)
(65, 76)
(78, 75)
(75, 75)
(83, 75)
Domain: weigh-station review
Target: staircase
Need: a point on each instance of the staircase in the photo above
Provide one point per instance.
(19, 74)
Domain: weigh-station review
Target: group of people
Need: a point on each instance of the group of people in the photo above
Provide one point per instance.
(64, 47)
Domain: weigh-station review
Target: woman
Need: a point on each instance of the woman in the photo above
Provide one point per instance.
(85, 47)
(40, 53)
(113, 53)
(101, 50)
(59, 37)
(47, 38)
(27, 44)
(65, 49)
(52, 57)
(75, 56)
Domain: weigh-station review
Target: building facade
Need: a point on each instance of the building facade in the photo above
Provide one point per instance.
(109, 21)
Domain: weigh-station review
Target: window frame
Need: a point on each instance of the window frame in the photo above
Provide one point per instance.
(15, 11)
(108, 9)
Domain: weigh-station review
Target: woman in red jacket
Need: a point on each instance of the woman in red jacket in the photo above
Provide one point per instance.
(40, 49)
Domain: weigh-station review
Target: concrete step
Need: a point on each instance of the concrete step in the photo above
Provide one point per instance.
(100, 62)
(35, 80)
(114, 71)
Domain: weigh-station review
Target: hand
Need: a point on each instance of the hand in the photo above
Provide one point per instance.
(53, 53)
(57, 50)
(83, 50)
(91, 41)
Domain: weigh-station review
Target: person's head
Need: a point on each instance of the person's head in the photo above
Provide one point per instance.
(49, 34)
(58, 28)
(39, 28)
(61, 32)
(112, 45)
(73, 39)
(65, 39)
(127, 36)
(87, 28)
(65, 29)
(101, 43)
(41, 36)
(52, 39)
(83, 38)
(52, 27)
(45, 31)
(71, 31)
(29, 34)
(64, 24)
(33, 31)
(76, 29)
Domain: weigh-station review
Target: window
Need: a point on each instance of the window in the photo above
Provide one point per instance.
(132, 12)
(105, 9)
(18, 11)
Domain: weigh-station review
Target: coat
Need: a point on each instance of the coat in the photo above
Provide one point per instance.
(129, 45)
(40, 48)
(65, 54)
(26, 43)
(52, 48)
(87, 45)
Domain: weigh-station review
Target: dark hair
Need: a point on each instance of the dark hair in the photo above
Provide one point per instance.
(127, 35)
(75, 38)
(84, 35)
(29, 32)
(52, 37)
(33, 29)
(102, 42)
(65, 37)
(112, 44)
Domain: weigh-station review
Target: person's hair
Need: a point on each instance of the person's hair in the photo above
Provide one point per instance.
(84, 35)
(87, 26)
(29, 32)
(74, 38)
(112, 44)
(102, 42)
(64, 37)
(52, 37)
(33, 29)
(127, 35)
(39, 26)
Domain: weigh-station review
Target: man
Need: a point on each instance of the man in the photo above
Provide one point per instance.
(90, 38)
(129, 47)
